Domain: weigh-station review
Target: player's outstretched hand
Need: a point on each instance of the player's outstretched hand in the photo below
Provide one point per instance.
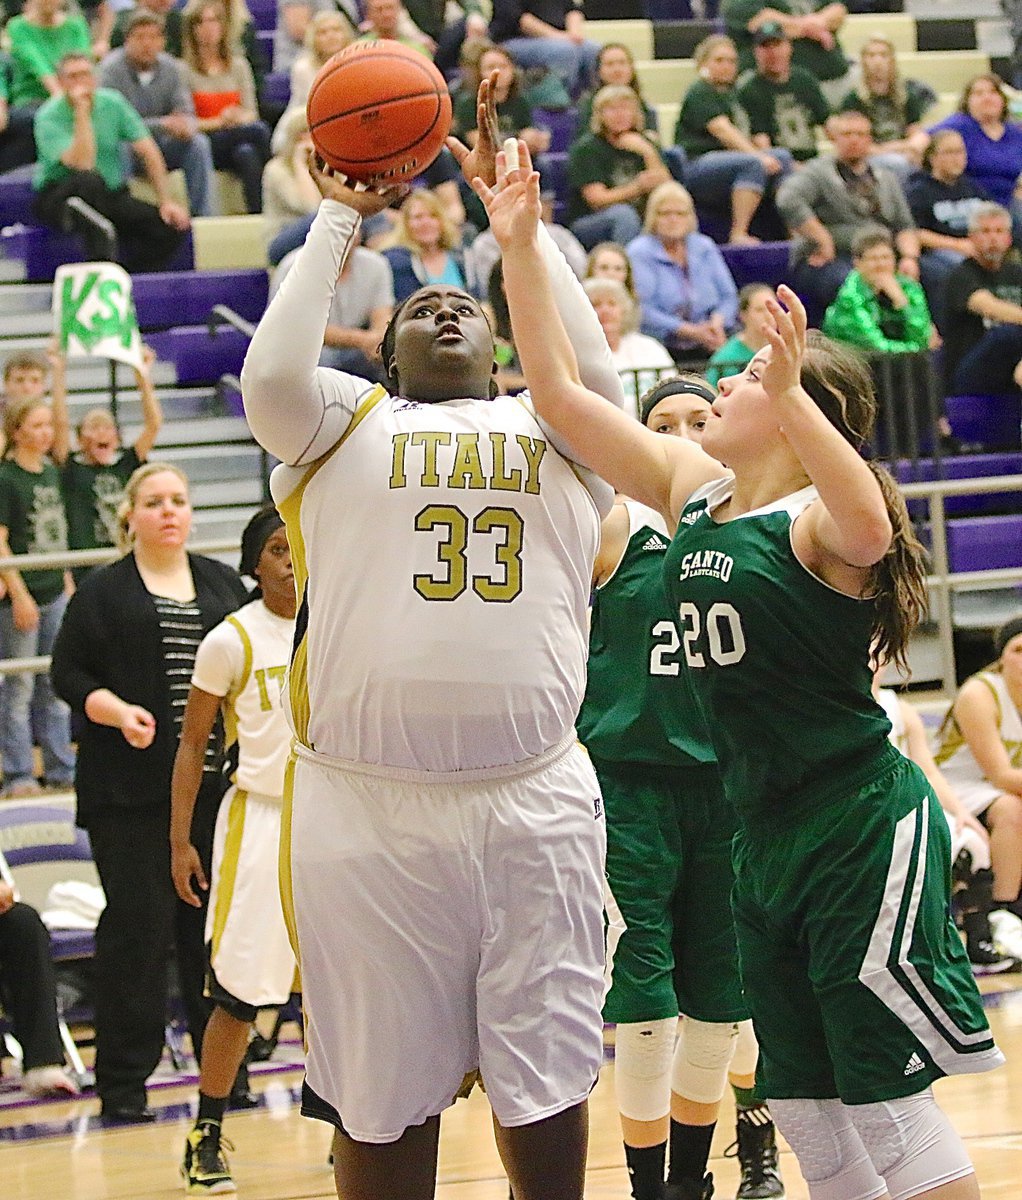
(513, 206)
(782, 374)
(367, 201)
(481, 160)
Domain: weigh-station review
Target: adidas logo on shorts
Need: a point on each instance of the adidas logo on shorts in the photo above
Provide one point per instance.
(655, 542)
(914, 1064)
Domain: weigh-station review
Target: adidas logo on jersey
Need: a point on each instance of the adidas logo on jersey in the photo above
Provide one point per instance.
(914, 1064)
(656, 542)
(690, 518)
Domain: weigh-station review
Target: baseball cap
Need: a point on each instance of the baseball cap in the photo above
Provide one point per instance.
(769, 31)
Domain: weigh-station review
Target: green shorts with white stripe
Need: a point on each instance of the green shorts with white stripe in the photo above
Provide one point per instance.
(858, 982)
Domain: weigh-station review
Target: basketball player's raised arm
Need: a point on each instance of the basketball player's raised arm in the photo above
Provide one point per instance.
(296, 409)
(652, 469)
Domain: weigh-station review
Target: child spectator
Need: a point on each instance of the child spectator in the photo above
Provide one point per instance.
(755, 319)
(93, 478)
(24, 379)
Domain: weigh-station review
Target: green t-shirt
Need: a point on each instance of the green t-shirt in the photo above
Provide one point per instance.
(512, 116)
(787, 113)
(114, 121)
(805, 52)
(91, 496)
(890, 121)
(32, 511)
(592, 159)
(637, 706)
(702, 104)
(36, 50)
(778, 659)
(730, 359)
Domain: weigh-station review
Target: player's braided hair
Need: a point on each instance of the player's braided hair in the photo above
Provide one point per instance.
(840, 383)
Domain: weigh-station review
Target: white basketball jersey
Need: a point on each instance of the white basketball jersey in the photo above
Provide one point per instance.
(244, 660)
(443, 554)
(953, 755)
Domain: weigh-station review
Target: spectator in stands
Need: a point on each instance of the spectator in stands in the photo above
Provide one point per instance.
(290, 197)
(383, 20)
(993, 143)
(785, 105)
(223, 89)
(878, 308)
(894, 105)
(983, 338)
(485, 253)
(811, 25)
(166, 9)
(39, 38)
(115, 664)
(739, 350)
(547, 33)
(978, 756)
(325, 35)
(639, 359)
(508, 375)
(426, 248)
(291, 36)
(448, 36)
(80, 135)
(154, 85)
(17, 145)
(92, 479)
(514, 115)
(713, 130)
(25, 374)
(615, 67)
(836, 197)
(28, 988)
(31, 522)
(611, 171)
(363, 303)
(942, 199)
(689, 299)
(609, 260)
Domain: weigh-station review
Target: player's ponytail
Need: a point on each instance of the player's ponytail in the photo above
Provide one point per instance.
(839, 381)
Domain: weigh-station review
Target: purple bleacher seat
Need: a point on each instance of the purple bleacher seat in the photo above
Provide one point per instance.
(171, 298)
(992, 421)
(264, 14)
(765, 263)
(16, 194)
(265, 39)
(43, 250)
(277, 88)
(668, 10)
(984, 543)
(199, 357)
(562, 124)
(963, 466)
(553, 177)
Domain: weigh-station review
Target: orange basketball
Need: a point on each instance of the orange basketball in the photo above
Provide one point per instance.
(379, 110)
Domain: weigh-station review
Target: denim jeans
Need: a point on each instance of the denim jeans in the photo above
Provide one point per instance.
(615, 223)
(194, 156)
(574, 62)
(29, 711)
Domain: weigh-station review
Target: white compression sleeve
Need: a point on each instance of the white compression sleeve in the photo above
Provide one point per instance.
(642, 1068)
(296, 409)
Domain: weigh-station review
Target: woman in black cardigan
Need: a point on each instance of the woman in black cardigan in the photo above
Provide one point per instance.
(123, 661)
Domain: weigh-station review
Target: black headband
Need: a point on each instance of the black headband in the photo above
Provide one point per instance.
(257, 533)
(1007, 631)
(674, 387)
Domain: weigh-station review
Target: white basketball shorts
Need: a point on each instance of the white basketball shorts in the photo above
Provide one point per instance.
(447, 923)
(249, 950)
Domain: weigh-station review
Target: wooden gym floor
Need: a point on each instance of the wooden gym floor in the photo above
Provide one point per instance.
(57, 1151)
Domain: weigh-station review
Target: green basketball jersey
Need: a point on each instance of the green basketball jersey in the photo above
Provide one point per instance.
(778, 659)
(638, 706)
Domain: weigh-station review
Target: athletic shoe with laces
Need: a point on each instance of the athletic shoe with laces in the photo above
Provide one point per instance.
(690, 1189)
(986, 959)
(205, 1167)
(1007, 930)
(756, 1149)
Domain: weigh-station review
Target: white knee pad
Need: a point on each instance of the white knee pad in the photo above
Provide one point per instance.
(701, 1060)
(911, 1143)
(642, 1068)
(830, 1153)
(746, 1053)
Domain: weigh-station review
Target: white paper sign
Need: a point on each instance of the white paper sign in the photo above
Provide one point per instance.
(94, 314)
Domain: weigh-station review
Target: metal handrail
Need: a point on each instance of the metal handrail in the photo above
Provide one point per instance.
(223, 314)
